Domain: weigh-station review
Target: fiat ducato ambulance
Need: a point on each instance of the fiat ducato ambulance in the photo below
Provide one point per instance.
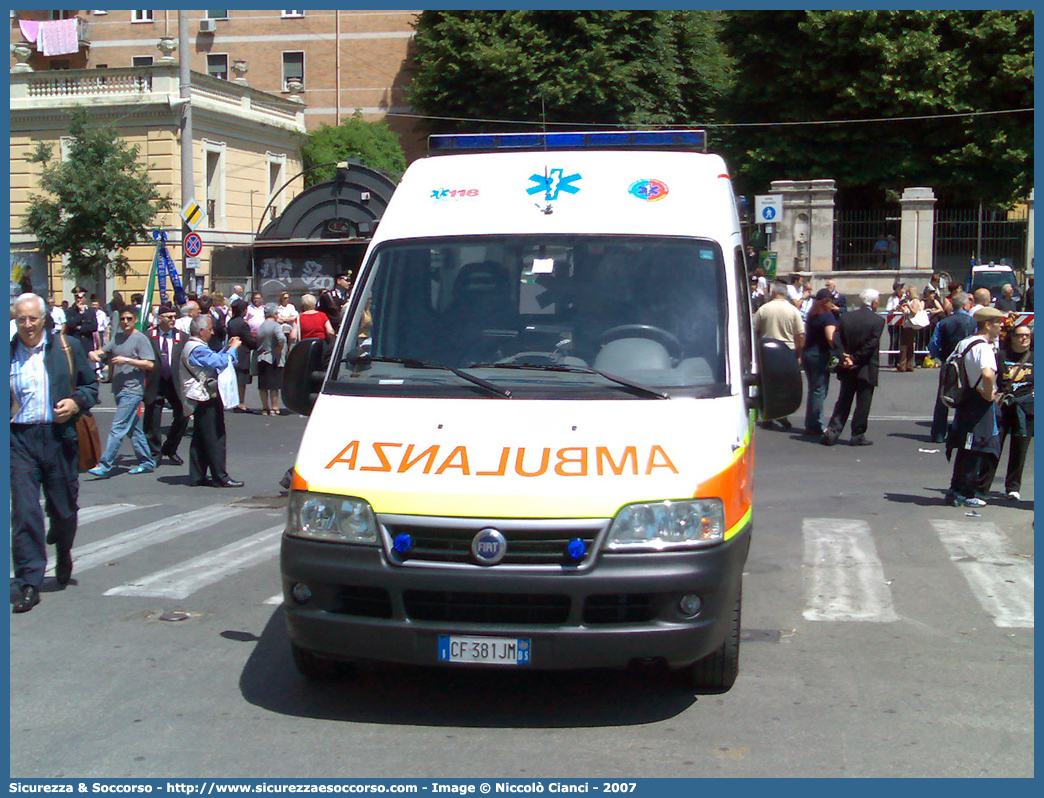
(532, 443)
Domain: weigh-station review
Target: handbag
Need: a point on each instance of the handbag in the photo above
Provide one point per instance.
(88, 441)
(919, 320)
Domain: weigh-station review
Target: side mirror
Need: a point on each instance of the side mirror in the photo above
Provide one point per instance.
(780, 378)
(303, 375)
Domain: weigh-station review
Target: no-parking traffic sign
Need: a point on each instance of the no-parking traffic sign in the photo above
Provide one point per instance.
(193, 244)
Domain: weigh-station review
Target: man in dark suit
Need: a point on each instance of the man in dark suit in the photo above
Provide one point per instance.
(861, 339)
(161, 386)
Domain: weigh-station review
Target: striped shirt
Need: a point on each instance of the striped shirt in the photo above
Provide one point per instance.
(30, 390)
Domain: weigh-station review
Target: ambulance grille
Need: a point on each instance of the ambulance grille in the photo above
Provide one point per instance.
(443, 544)
(496, 608)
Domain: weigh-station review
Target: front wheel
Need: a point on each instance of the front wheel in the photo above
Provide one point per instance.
(716, 673)
(319, 669)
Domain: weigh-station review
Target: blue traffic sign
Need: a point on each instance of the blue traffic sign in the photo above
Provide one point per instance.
(193, 244)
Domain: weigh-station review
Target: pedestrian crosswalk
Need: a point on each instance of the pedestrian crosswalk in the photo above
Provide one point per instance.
(846, 579)
(843, 576)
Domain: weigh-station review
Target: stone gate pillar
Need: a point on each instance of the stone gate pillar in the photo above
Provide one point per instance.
(805, 235)
(917, 231)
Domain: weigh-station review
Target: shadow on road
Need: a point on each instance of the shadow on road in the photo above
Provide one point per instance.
(402, 695)
(920, 501)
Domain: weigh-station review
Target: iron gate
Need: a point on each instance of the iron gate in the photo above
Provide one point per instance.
(988, 236)
(856, 237)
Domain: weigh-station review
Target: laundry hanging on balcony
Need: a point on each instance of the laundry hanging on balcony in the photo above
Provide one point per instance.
(30, 29)
(59, 37)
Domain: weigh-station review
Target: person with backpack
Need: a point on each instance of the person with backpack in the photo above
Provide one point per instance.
(974, 434)
(947, 334)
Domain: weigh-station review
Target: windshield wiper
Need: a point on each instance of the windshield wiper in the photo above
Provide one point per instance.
(410, 363)
(634, 387)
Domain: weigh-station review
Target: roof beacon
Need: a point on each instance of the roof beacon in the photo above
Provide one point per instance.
(685, 140)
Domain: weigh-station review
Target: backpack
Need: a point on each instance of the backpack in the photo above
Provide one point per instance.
(953, 383)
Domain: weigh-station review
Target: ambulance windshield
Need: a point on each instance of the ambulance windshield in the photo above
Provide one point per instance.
(540, 313)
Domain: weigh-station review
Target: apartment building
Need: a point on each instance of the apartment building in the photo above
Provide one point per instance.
(246, 144)
(344, 59)
(261, 80)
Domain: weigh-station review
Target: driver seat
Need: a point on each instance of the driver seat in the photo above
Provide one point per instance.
(632, 354)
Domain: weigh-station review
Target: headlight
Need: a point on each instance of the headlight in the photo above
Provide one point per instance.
(335, 519)
(666, 525)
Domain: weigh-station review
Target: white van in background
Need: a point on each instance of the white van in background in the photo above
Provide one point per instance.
(532, 445)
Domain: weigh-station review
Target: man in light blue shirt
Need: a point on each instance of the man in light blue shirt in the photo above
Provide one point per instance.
(201, 366)
(51, 383)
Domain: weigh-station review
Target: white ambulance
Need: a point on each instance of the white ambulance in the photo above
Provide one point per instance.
(532, 443)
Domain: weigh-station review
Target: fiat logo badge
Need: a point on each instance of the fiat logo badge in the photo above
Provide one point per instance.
(488, 547)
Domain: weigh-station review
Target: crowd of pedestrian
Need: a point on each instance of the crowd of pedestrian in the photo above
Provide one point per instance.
(996, 355)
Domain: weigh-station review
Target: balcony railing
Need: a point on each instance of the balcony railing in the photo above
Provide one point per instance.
(157, 84)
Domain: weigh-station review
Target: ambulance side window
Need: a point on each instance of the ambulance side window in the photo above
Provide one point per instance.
(743, 298)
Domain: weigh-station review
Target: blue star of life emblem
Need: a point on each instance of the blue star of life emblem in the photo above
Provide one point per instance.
(553, 183)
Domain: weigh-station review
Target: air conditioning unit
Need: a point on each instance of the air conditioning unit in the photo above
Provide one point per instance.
(207, 25)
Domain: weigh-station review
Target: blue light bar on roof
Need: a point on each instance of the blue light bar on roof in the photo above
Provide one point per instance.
(691, 140)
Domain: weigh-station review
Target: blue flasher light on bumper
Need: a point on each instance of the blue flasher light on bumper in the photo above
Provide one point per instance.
(402, 543)
(576, 549)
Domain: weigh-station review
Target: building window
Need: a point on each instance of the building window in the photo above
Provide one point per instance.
(276, 178)
(101, 66)
(215, 183)
(60, 63)
(293, 67)
(216, 14)
(141, 16)
(292, 14)
(217, 66)
(63, 14)
(142, 60)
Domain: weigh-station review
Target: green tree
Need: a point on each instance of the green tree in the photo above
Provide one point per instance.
(479, 70)
(96, 204)
(373, 143)
(802, 66)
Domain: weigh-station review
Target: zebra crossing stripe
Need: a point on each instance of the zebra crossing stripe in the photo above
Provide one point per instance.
(845, 579)
(174, 526)
(102, 512)
(1001, 582)
(184, 579)
(277, 599)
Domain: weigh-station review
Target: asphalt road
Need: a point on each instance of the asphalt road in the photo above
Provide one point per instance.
(167, 657)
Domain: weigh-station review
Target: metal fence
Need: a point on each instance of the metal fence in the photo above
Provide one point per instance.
(989, 236)
(856, 237)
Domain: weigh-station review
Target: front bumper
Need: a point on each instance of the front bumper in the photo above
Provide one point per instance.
(621, 610)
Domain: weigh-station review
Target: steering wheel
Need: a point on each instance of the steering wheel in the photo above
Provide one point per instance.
(658, 334)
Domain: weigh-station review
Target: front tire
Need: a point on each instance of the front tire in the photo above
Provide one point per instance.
(716, 673)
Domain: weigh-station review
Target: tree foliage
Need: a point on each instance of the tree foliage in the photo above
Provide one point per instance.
(373, 143)
(799, 66)
(96, 204)
(477, 70)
